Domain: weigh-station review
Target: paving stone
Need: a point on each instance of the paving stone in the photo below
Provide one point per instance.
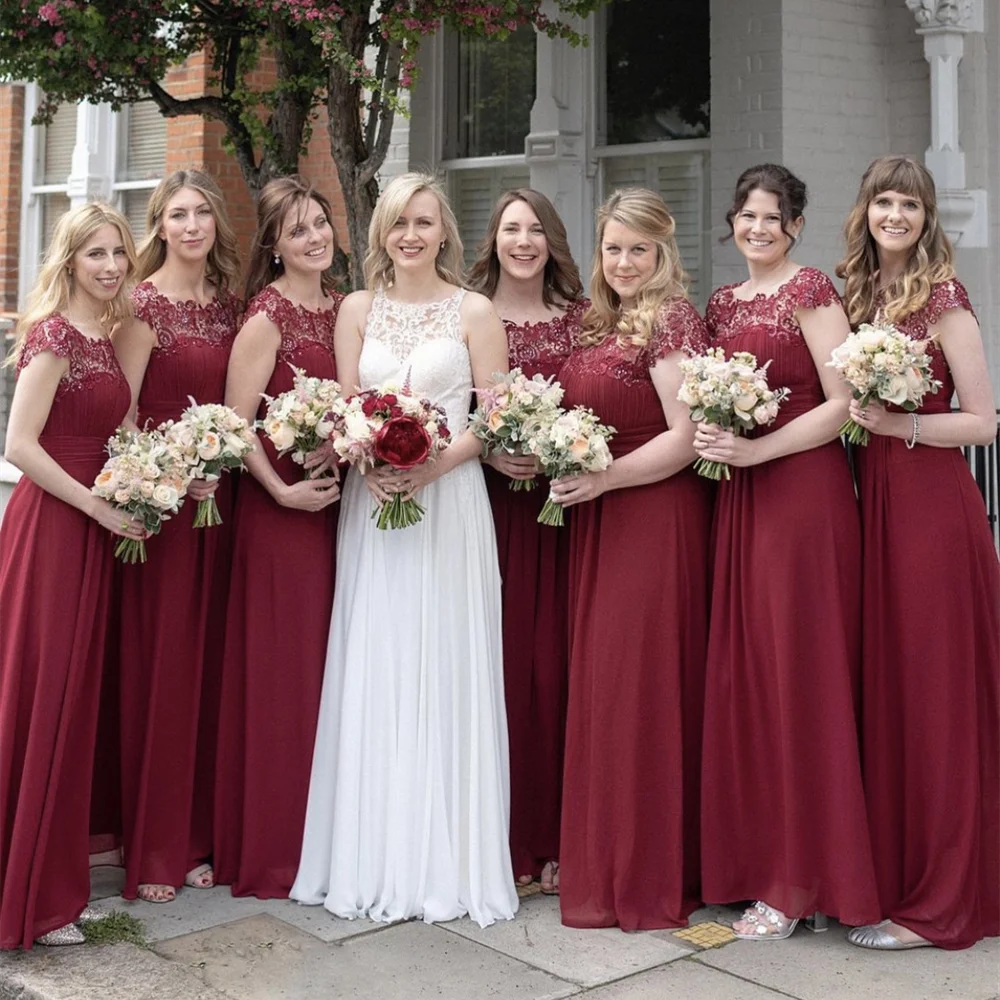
(684, 980)
(114, 972)
(199, 909)
(106, 882)
(263, 958)
(587, 957)
(827, 967)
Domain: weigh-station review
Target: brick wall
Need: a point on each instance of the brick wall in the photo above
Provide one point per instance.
(11, 147)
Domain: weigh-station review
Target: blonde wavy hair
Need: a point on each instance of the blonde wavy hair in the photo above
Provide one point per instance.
(379, 271)
(223, 265)
(930, 258)
(645, 213)
(54, 287)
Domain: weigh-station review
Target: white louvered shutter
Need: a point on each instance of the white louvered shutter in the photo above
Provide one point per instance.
(54, 206)
(57, 149)
(142, 138)
(681, 179)
(473, 195)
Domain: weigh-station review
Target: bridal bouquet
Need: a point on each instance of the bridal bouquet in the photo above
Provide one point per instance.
(388, 426)
(574, 441)
(212, 439)
(146, 477)
(732, 393)
(298, 420)
(880, 362)
(511, 411)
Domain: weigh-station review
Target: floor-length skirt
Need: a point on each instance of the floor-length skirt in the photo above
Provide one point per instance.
(408, 799)
(931, 733)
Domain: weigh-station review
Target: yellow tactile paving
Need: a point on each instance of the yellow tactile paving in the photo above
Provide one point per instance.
(706, 935)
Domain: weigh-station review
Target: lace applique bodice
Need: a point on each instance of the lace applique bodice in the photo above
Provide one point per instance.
(295, 323)
(89, 360)
(678, 328)
(214, 323)
(543, 347)
(422, 344)
(727, 316)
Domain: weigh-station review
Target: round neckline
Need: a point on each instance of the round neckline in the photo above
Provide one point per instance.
(303, 308)
(764, 295)
(420, 305)
(182, 303)
(90, 340)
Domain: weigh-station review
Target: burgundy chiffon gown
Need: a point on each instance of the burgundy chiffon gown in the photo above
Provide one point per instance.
(280, 600)
(55, 583)
(172, 616)
(783, 815)
(534, 563)
(638, 627)
(931, 672)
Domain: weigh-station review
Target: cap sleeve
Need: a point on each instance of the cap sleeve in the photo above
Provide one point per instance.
(946, 295)
(268, 302)
(814, 289)
(678, 327)
(53, 334)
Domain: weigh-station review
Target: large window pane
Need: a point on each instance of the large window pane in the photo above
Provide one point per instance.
(489, 91)
(657, 66)
(142, 143)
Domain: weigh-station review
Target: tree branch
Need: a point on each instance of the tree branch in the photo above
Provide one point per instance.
(384, 113)
(377, 99)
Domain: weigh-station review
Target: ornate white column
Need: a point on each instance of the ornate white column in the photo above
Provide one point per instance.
(555, 148)
(944, 24)
(93, 155)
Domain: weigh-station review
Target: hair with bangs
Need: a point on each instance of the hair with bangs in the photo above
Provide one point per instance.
(931, 256)
(645, 213)
(223, 263)
(278, 199)
(561, 276)
(379, 270)
(54, 288)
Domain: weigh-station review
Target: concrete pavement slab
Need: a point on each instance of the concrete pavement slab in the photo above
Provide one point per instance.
(588, 957)
(262, 958)
(115, 972)
(687, 979)
(199, 909)
(827, 967)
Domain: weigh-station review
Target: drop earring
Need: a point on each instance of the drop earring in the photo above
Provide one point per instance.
(442, 245)
(277, 259)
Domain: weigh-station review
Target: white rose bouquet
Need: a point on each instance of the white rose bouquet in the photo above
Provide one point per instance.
(730, 392)
(880, 362)
(212, 439)
(298, 420)
(513, 409)
(389, 426)
(146, 477)
(574, 441)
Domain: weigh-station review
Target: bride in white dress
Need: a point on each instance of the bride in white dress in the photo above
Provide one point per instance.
(409, 792)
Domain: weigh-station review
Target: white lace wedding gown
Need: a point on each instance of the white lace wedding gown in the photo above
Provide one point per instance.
(409, 795)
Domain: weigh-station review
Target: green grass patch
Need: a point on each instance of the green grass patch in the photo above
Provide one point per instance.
(116, 928)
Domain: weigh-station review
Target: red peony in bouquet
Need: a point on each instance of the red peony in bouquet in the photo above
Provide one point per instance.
(388, 426)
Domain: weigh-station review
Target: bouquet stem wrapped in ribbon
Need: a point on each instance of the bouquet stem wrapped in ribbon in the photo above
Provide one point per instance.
(212, 439)
(388, 426)
(145, 477)
(732, 393)
(574, 441)
(511, 411)
(881, 363)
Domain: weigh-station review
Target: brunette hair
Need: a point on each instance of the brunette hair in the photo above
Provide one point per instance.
(930, 258)
(774, 179)
(644, 212)
(561, 275)
(223, 264)
(379, 270)
(277, 199)
(54, 287)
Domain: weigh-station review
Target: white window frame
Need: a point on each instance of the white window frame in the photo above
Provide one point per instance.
(118, 188)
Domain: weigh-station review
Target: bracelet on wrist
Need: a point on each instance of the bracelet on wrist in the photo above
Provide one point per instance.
(915, 433)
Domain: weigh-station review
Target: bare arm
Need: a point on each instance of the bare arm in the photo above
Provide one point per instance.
(251, 363)
(133, 342)
(33, 395)
(659, 458)
(823, 329)
(975, 423)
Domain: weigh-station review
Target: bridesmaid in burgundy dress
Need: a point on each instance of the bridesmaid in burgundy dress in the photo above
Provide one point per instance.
(283, 565)
(173, 607)
(55, 573)
(638, 589)
(931, 587)
(783, 814)
(525, 266)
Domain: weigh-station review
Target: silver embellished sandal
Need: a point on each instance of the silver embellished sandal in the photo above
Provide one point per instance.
(767, 923)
